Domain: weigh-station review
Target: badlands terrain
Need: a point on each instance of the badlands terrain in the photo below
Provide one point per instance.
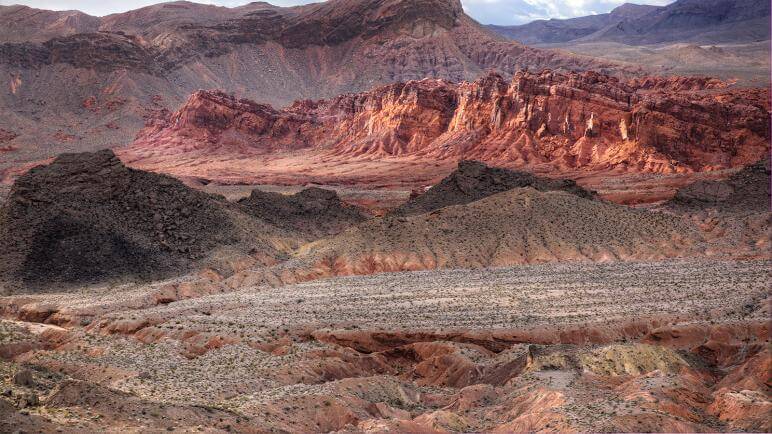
(679, 347)
(383, 216)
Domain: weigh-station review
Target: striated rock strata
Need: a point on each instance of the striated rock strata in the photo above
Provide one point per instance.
(549, 120)
(154, 57)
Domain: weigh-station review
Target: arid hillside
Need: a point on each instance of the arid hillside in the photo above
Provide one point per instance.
(86, 219)
(534, 306)
(746, 191)
(372, 216)
(522, 225)
(312, 213)
(728, 39)
(693, 21)
(474, 181)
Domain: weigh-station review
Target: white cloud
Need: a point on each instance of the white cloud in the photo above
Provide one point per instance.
(523, 11)
(486, 11)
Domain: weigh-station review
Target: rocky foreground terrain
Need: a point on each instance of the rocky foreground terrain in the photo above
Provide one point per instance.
(382, 216)
(674, 347)
(495, 301)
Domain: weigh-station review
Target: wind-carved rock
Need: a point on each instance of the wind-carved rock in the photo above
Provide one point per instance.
(560, 121)
(623, 129)
(590, 130)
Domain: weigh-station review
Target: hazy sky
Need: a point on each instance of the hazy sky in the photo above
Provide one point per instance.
(485, 11)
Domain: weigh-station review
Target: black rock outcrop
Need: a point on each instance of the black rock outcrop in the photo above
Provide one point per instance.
(474, 181)
(87, 217)
(313, 212)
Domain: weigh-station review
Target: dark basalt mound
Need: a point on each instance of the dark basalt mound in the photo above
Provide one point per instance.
(87, 217)
(474, 181)
(745, 191)
(313, 212)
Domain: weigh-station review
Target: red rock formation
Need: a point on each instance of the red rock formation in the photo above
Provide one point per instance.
(551, 120)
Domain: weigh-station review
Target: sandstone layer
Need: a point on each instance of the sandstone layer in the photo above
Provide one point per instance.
(548, 122)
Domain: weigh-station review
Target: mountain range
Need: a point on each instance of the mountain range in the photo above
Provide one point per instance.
(728, 39)
(123, 68)
(696, 21)
(390, 72)
(411, 133)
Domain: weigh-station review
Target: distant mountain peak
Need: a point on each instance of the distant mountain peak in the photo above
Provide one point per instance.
(631, 10)
(696, 21)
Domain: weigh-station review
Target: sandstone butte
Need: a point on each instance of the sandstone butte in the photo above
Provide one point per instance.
(547, 122)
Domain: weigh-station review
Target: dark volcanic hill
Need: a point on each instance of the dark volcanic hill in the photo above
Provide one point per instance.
(746, 191)
(698, 21)
(474, 181)
(124, 68)
(86, 217)
(314, 212)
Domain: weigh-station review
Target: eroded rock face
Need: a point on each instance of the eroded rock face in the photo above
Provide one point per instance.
(180, 34)
(350, 356)
(154, 57)
(584, 121)
(23, 23)
(104, 52)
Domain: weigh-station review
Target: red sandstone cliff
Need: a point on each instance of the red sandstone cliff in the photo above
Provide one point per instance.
(564, 121)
